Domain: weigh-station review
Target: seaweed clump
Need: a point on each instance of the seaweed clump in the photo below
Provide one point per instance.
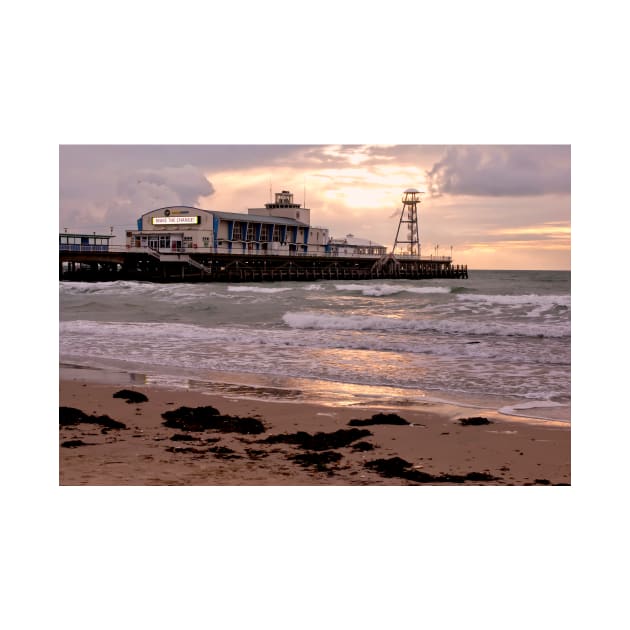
(130, 396)
(70, 416)
(379, 418)
(321, 460)
(476, 421)
(196, 419)
(319, 441)
(398, 467)
(73, 443)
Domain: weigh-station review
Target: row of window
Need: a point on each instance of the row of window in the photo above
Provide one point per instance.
(237, 232)
(82, 240)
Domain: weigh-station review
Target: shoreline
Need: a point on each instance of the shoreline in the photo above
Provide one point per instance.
(254, 386)
(437, 447)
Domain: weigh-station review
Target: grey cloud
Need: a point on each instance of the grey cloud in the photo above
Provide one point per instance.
(208, 157)
(498, 171)
(182, 185)
(112, 195)
(102, 185)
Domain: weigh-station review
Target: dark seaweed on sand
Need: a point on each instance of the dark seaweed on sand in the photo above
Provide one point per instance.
(224, 452)
(183, 437)
(73, 443)
(476, 421)
(379, 418)
(320, 460)
(398, 467)
(319, 441)
(69, 416)
(363, 446)
(130, 396)
(210, 419)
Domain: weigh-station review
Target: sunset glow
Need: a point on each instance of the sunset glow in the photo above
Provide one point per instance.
(497, 207)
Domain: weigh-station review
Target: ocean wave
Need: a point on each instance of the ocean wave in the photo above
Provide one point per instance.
(321, 321)
(180, 292)
(178, 338)
(380, 290)
(248, 289)
(518, 300)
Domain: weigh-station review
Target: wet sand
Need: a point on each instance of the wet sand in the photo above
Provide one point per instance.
(435, 448)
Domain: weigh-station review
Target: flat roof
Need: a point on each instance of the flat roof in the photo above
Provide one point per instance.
(86, 235)
(355, 241)
(255, 218)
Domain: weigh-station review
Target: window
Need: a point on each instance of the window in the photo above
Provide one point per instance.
(251, 232)
(276, 233)
(264, 233)
(237, 233)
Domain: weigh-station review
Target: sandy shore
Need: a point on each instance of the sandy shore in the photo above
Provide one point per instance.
(435, 448)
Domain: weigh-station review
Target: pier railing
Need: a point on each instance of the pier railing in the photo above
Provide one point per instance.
(239, 251)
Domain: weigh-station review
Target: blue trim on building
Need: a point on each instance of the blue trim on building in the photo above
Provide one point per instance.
(215, 230)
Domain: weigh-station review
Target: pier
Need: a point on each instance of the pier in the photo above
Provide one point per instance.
(155, 266)
(273, 243)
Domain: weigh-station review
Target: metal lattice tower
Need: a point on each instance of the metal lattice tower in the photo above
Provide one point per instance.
(409, 216)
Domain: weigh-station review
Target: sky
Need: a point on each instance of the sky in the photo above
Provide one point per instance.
(496, 206)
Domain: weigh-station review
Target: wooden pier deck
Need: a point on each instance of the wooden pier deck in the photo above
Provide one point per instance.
(152, 266)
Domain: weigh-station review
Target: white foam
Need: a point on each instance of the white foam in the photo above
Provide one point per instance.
(380, 290)
(320, 321)
(247, 289)
(517, 300)
(518, 409)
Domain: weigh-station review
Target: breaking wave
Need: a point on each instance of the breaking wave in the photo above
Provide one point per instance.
(319, 321)
(247, 289)
(380, 290)
(518, 300)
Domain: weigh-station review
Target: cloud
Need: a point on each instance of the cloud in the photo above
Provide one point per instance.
(117, 196)
(181, 185)
(498, 171)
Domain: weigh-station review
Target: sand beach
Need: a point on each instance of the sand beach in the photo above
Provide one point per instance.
(294, 443)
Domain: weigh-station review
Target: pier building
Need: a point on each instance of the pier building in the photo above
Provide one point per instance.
(274, 242)
(353, 246)
(84, 242)
(282, 227)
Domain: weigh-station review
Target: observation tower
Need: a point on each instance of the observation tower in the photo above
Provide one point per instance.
(409, 216)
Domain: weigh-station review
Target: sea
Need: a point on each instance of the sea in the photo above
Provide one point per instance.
(498, 341)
